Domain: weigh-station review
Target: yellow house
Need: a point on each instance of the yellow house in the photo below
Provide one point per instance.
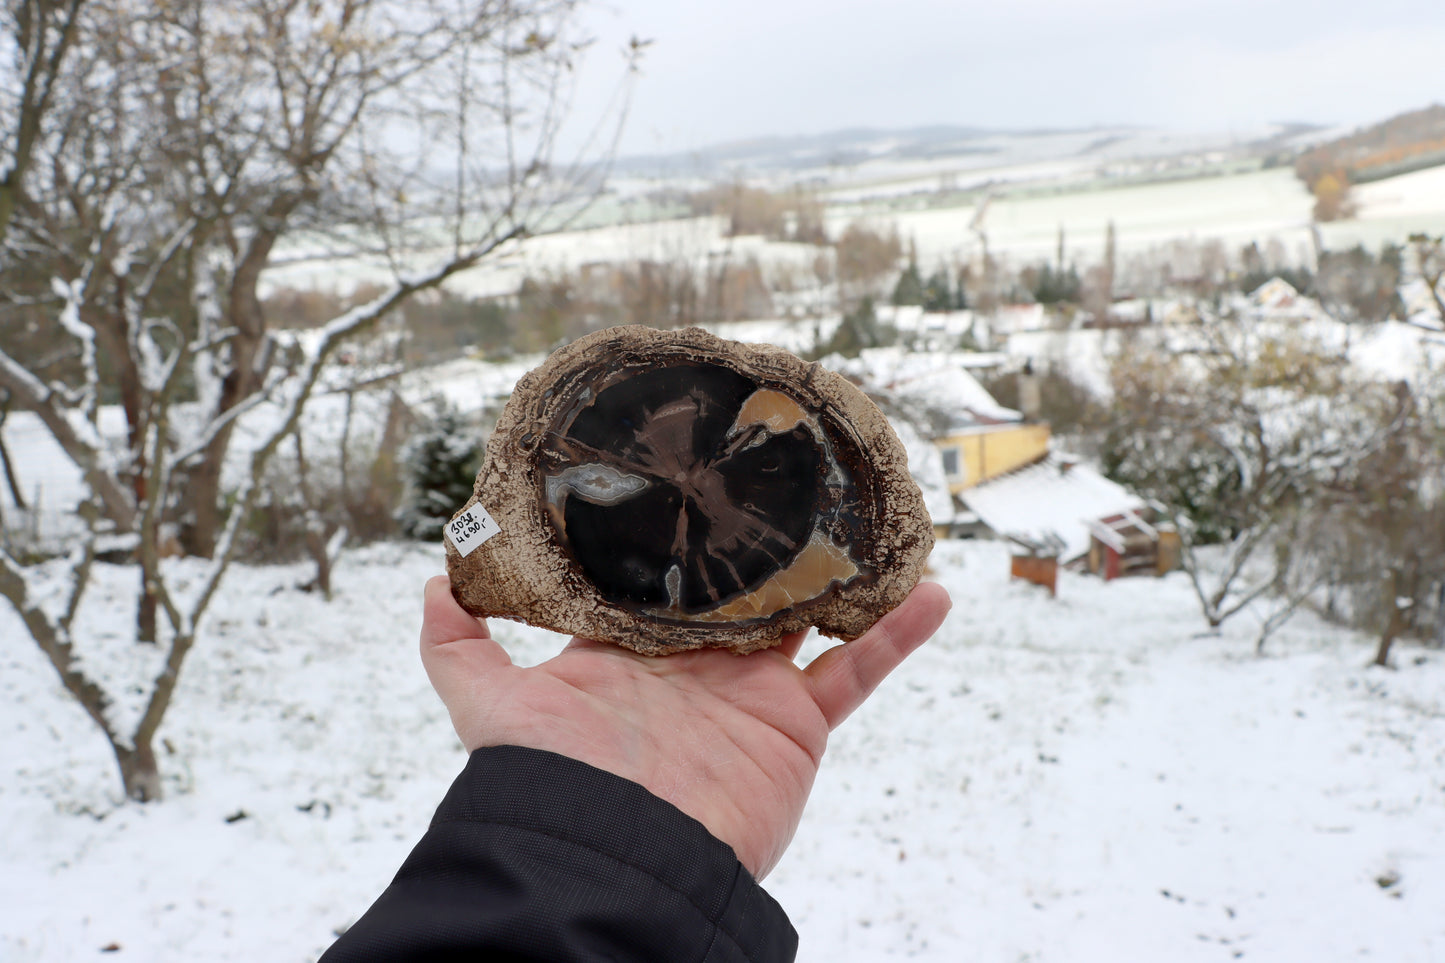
(979, 452)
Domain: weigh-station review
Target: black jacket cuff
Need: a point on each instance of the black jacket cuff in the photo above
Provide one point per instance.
(535, 856)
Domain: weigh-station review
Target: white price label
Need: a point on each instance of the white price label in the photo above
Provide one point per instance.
(471, 528)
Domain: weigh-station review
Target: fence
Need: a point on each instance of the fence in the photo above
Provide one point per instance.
(32, 531)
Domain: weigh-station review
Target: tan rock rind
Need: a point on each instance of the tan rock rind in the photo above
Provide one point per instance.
(525, 573)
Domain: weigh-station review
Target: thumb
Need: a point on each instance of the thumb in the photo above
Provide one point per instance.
(845, 675)
(456, 648)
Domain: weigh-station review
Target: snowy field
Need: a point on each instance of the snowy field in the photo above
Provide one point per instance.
(1022, 224)
(1065, 780)
(1232, 208)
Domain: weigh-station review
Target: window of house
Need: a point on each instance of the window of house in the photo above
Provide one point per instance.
(952, 465)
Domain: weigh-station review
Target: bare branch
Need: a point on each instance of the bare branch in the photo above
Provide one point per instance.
(45, 33)
(79, 438)
(81, 561)
(55, 641)
(73, 295)
(192, 143)
(333, 335)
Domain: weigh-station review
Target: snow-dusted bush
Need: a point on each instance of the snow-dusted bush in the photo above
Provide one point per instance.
(440, 464)
(1247, 438)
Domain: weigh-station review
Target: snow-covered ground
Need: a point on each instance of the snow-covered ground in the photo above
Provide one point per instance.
(1077, 779)
(1388, 351)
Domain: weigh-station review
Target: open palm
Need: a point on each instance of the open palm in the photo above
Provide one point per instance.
(733, 741)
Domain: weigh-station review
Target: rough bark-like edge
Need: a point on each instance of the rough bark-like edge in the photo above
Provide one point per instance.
(524, 575)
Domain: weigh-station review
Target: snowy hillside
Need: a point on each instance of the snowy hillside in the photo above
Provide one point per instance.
(1066, 780)
(1026, 203)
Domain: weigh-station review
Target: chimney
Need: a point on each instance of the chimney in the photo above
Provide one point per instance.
(1030, 401)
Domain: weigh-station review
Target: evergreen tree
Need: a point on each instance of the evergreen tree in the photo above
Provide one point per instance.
(909, 289)
(938, 293)
(1056, 286)
(441, 465)
(861, 329)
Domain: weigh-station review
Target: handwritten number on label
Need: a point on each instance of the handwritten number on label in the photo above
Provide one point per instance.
(471, 528)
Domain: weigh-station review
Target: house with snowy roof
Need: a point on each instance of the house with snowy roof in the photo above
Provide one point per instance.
(986, 469)
(1278, 300)
(1007, 479)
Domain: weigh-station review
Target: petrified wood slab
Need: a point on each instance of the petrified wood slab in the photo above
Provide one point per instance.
(667, 490)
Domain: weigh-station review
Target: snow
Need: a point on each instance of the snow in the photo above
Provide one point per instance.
(52, 484)
(1405, 196)
(1072, 779)
(1389, 350)
(936, 379)
(799, 337)
(1029, 203)
(1077, 779)
(1050, 500)
(1393, 349)
(925, 464)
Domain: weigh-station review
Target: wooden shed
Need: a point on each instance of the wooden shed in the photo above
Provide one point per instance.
(1127, 543)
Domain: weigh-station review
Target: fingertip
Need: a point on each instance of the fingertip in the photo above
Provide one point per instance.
(436, 586)
(932, 601)
(935, 590)
(916, 620)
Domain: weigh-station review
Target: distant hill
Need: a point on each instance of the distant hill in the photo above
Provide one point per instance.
(951, 145)
(1404, 143)
(836, 147)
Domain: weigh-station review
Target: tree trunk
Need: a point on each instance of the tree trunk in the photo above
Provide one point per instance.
(145, 613)
(11, 481)
(1395, 625)
(316, 547)
(1387, 639)
(202, 498)
(139, 774)
(250, 358)
(316, 541)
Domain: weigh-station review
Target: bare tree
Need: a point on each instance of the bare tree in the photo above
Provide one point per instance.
(1429, 256)
(1244, 434)
(38, 36)
(180, 150)
(864, 258)
(1394, 570)
(1100, 280)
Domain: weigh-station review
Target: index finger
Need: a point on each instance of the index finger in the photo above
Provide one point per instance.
(843, 677)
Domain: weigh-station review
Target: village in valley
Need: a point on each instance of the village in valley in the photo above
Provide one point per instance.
(1001, 303)
(1175, 402)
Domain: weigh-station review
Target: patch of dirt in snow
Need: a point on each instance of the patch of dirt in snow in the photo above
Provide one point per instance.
(1071, 779)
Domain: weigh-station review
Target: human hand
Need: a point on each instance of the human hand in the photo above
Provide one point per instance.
(733, 741)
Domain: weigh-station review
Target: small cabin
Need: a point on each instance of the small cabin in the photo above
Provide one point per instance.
(1126, 543)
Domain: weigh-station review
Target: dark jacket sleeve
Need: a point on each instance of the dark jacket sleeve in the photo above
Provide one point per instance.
(534, 856)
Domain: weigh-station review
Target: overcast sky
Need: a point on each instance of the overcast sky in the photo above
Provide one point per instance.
(728, 71)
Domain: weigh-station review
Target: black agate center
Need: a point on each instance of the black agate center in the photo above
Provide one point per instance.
(670, 490)
(679, 490)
